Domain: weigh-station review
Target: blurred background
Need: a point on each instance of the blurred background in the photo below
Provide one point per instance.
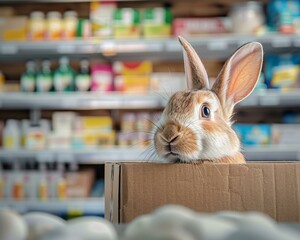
(83, 82)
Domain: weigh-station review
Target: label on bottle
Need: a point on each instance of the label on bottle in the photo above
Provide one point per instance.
(62, 82)
(83, 82)
(61, 190)
(43, 191)
(9, 141)
(18, 191)
(43, 83)
(27, 83)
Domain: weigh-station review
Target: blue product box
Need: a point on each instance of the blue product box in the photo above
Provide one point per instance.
(253, 134)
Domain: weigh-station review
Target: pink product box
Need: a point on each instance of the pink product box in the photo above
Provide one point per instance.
(195, 26)
(102, 78)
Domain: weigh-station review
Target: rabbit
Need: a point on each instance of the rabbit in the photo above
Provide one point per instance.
(196, 123)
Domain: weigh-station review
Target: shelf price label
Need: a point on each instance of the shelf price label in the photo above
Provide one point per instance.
(65, 157)
(217, 45)
(269, 101)
(65, 49)
(108, 48)
(8, 49)
(75, 211)
(281, 42)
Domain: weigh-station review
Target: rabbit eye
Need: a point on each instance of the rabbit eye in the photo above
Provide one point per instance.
(205, 112)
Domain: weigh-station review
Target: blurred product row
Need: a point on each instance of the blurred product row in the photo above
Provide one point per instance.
(280, 72)
(70, 131)
(120, 76)
(46, 182)
(107, 20)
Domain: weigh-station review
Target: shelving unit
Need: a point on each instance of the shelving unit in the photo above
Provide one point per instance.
(88, 206)
(134, 154)
(214, 47)
(208, 47)
(264, 98)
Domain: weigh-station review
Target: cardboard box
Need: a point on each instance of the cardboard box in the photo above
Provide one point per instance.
(79, 184)
(133, 189)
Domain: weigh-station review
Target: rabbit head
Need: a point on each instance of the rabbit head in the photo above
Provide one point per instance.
(196, 123)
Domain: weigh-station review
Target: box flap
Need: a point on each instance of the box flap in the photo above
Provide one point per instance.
(112, 183)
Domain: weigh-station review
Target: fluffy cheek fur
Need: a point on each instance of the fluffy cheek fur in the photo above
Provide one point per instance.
(218, 136)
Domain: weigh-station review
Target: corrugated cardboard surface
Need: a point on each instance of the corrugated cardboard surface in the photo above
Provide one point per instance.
(139, 188)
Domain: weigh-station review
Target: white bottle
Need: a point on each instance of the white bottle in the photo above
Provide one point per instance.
(11, 134)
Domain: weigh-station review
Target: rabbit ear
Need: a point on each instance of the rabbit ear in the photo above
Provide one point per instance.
(196, 74)
(239, 75)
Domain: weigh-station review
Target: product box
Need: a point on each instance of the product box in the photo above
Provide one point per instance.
(167, 82)
(79, 183)
(286, 133)
(253, 134)
(102, 78)
(126, 23)
(134, 189)
(189, 27)
(157, 22)
(133, 83)
(101, 16)
(132, 68)
(13, 28)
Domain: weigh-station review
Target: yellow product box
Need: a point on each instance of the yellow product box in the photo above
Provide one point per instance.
(157, 31)
(286, 77)
(13, 28)
(134, 83)
(90, 139)
(107, 138)
(100, 123)
(99, 138)
(132, 68)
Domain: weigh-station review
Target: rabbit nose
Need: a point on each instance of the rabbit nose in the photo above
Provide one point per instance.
(170, 134)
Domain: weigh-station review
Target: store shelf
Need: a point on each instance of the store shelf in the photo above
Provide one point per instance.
(273, 153)
(131, 154)
(71, 1)
(90, 206)
(80, 101)
(208, 47)
(267, 98)
(86, 156)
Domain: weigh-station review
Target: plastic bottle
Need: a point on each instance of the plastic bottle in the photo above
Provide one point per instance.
(54, 25)
(43, 193)
(28, 77)
(11, 134)
(61, 184)
(44, 78)
(37, 26)
(2, 80)
(17, 187)
(70, 24)
(63, 79)
(83, 78)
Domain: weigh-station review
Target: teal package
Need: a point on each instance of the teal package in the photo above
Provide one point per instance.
(253, 134)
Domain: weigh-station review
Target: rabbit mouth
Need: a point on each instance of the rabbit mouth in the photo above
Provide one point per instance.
(172, 157)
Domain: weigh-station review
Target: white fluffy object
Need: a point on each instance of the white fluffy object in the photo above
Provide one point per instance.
(179, 223)
(12, 226)
(39, 223)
